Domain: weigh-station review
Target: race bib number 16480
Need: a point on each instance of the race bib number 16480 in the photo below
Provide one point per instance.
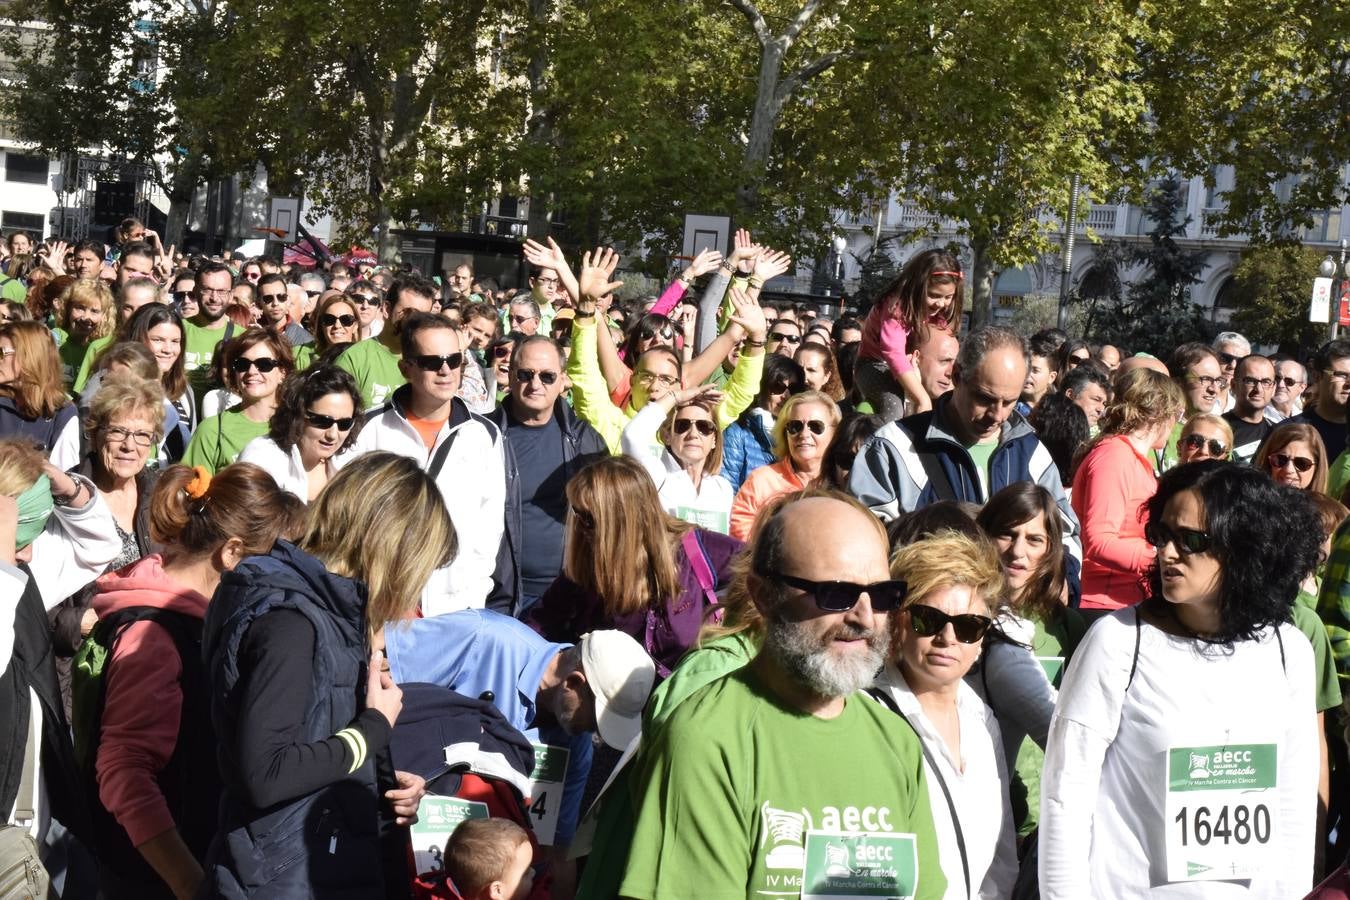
(1220, 811)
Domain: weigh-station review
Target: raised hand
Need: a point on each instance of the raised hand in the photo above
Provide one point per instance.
(550, 257)
(747, 313)
(164, 263)
(710, 392)
(771, 264)
(704, 263)
(596, 270)
(742, 248)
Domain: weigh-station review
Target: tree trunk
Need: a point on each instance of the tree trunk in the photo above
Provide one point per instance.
(181, 191)
(981, 283)
(762, 122)
(386, 248)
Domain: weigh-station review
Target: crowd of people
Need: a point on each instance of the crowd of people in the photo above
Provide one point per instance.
(347, 582)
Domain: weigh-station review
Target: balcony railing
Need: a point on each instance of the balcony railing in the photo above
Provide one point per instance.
(1101, 219)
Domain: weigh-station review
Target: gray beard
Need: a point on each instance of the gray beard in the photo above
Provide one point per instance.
(808, 659)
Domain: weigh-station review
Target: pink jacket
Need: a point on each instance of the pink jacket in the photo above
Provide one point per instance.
(144, 701)
(885, 337)
(1110, 489)
(761, 486)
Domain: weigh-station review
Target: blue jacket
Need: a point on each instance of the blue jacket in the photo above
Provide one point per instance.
(287, 850)
(746, 445)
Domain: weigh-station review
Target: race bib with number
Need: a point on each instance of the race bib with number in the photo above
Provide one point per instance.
(546, 790)
(842, 865)
(437, 819)
(1220, 811)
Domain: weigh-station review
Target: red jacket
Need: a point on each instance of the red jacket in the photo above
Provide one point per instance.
(1111, 488)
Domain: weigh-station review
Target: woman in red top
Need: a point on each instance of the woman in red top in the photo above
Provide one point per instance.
(1113, 483)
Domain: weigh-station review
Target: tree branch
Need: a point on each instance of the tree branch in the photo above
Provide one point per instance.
(804, 15)
(756, 19)
(820, 64)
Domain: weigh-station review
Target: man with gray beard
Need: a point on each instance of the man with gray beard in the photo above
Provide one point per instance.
(781, 778)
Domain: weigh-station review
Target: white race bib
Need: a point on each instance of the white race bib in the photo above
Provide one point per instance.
(1221, 810)
(437, 819)
(546, 790)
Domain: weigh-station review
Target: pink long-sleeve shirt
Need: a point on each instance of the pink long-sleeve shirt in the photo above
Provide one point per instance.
(1110, 489)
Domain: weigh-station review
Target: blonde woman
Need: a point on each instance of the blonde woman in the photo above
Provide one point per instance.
(1114, 481)
(86, 316)
(954, 587)
(301, 705)
(801, 441)
(1204, 436)
(631, 566)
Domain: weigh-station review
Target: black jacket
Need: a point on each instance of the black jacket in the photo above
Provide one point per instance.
(581, 446)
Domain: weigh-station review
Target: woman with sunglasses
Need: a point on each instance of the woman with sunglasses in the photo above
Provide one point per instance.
(801, 439)
(953, 584)
(336, 325)
(1183, 755)
(1033, 638)
(686, 471)
(317, 418)
(1293, 454)
(1204, 436)
(255, 364)
(630, 565)
(1115, 480)
(498, 364)
(748, 441)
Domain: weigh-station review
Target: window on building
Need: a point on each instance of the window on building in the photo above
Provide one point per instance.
(17, 221)
(25, 168)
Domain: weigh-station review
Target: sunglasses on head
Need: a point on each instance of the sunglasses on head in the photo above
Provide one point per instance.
(797, 426)
(1196, 442)
(1283, 460)
(525, 376)
(323, 423)
(328, 320)
(841, 596)
(1186, 540)
(703, 426)
(429, 362)
(929, 621)
(264, 365)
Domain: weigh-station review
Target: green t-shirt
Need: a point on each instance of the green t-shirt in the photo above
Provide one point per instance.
(219, 440)
(72, 352)
(1307, 621)
(199, 348)
(12, 289)
(1338, 476)
(980, 454)
(375, 370)
(86, 365)
(303, 356)
(735, 797)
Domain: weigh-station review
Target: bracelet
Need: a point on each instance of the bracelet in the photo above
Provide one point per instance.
(582, 314)
(750, 343)
(724, 264)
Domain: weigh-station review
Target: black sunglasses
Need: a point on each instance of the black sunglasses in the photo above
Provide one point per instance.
(264, 365)
(431, 363)
(363, 300)
(928, 621)
(783, 336)
(323, 423)
(703, 426)
(1300, 463)
(796, 427)
(1186, 540)
(1287, 381)
(328, 320)
(501, 351)
(1229, 359)
(1216, 448)
(665, 334)
(525, 376)
(841, 596)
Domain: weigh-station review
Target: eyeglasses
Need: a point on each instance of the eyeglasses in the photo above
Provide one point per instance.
(431, 363)
(841, 596)
(786, 336)
(797, 426)
(364, 300)
(214, 292)
(547, 282)
(1218, 382)
(1336, 376)
(313, 293)
(703, 426)
(323, 423)
(1287, 381)
(501, 351)
(1264, 383)
(180, 296)
(269, 299)
(117, 435)
(1229, 359)
(929, 621)
(650, 378)
(521, 320)
(1284, 460)
(1186, 540)
(7, 352)
(665, 334)
(1197, 442)
(1078, 360)
(327, 320)
(263, 364)
(525, 376)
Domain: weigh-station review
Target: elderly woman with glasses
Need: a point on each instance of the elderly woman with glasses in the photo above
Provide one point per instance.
(1294, 455)
(953, 585)
(686, 470)
(801, 440)
(317, 418)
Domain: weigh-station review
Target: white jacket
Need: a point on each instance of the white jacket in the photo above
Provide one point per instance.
(708, 505)
(285, 468)
(473, 485)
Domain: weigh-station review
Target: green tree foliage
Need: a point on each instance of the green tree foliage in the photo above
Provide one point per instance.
(1272, 289)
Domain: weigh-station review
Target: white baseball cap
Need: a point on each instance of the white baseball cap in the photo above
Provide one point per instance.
(621, 676)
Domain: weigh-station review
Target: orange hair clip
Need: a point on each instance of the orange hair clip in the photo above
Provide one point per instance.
(200, 483)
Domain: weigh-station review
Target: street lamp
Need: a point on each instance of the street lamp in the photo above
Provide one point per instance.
(1340, 273)
(840, 244)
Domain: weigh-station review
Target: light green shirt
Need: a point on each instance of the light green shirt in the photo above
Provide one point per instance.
(219, 440)
(375, 369)
(980, 454)
(86, 367)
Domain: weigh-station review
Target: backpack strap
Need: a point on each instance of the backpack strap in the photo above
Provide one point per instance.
(442, 453)
(1138, 635)
(883, 696)
(937, 476)
(697, 554)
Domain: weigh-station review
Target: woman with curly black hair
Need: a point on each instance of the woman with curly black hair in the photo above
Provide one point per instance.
(1184, 752)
